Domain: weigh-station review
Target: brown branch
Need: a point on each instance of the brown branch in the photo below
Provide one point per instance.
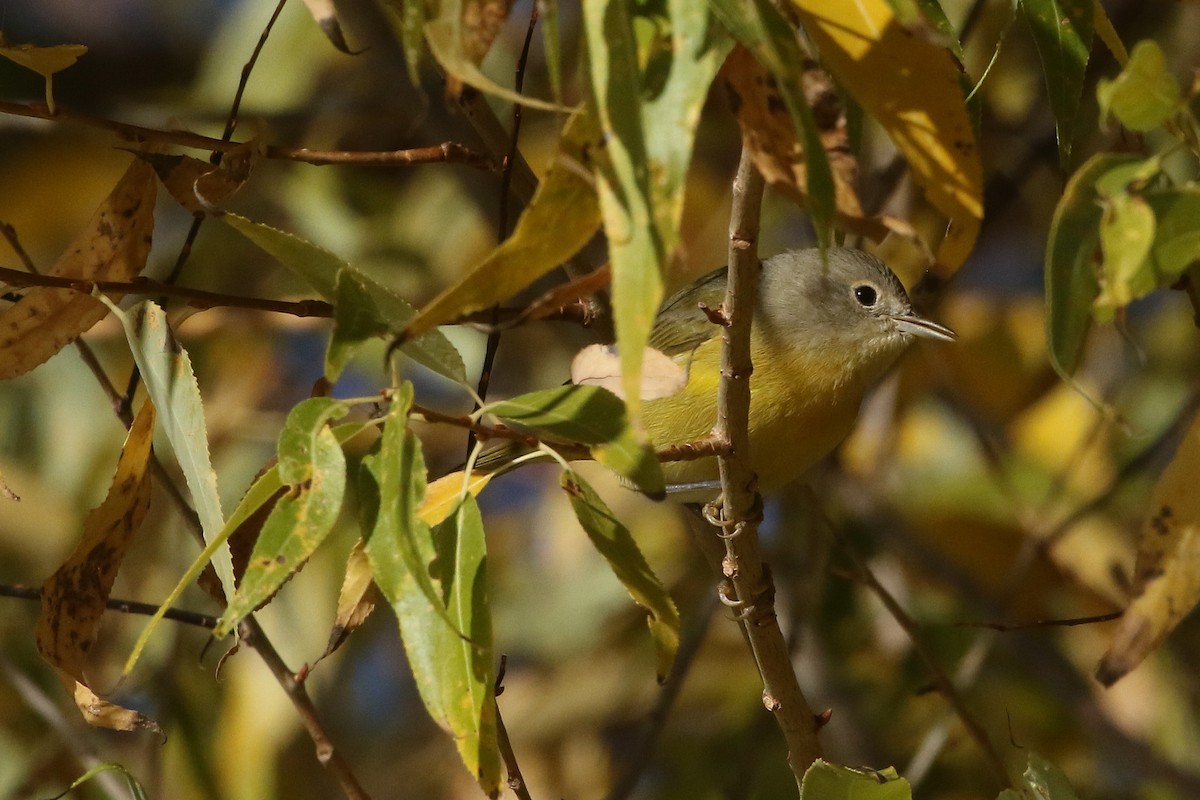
(253, 636)
(752, 589)
(1043, 623)
(197, 298)
(445, 153)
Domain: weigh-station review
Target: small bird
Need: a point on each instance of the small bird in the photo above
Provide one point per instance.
(822, 335)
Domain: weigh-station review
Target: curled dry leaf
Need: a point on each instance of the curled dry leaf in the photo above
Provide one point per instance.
(1166, 583)
(74, 597)
(356, 599)
(201, 186)
(113, 246)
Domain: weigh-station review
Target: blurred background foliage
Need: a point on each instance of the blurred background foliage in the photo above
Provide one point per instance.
(978, 486)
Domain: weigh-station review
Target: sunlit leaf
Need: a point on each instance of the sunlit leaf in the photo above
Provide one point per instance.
(1062, 31)
(760, 28)
(447, 631)
(599, 365)
(614, 541)
(445, 494)
(825, 781)
(1166, 581)
(1177, 230)
(321, 268)
(112, 246)
(1071, 285)
(1145, 94)
(592, 416)
(75, 596)
(313, 467)
(562, 217)
(167, 372)
(356, 598)
(1126, 272)
(920, 105)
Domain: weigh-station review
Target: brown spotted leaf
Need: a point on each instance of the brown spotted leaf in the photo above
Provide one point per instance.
(1166, 583)
(113, 247)
(74, 597)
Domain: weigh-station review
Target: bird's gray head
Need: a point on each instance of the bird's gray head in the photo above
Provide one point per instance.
(851, 310)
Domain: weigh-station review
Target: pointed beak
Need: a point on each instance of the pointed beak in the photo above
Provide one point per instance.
(919, 326)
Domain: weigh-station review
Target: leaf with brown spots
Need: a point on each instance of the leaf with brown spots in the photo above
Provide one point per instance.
(1166, 582)
(74, 597)
(113, 247)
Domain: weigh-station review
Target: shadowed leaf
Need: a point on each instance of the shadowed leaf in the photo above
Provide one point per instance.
(1062, 31)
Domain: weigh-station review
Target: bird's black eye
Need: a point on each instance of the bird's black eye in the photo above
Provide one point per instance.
(865, 294)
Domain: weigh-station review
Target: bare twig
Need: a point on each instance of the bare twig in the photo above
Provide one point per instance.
(1003, 627)
(252, 635)
(197, 298)
(445, 153)
(515, 781)
(123, 606)
(752, 589)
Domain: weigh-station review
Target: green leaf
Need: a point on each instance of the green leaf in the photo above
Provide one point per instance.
(759, 26)
(592, 416)
(1071, 285)
(355, 320)
(1044, 781)
(167, 373)
(636, 248)
(1062, 32)
(552, 44)
(825, 781)
(614, 541)
(135, 788)
(562, 217)
(447, 631)
(1126, 272)
(1145, 94)
(1177, 232)
(321, 270)
(312, 465)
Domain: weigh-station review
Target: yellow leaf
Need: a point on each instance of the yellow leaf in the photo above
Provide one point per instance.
(443, 495)
(1166, 583)
(356, 599)
(45, 61)
(75, 596)
(911, 86)
(113, 246)
(200, 186)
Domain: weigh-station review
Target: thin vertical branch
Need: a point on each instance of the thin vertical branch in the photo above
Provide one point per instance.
(753, 594)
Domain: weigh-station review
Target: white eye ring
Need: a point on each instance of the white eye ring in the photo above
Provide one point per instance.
(866, 294)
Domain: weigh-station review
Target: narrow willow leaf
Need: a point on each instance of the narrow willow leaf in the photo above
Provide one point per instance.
(562, 217)
(614, 541)
(1166, 580)
(112, 246)
(321, 268)
(1145, 94)
(920, 105)
(167, 372)
(313, 467)
(592, 416)
(1062, 31)
(135, 789)
(825, 781)
(762, 30)
(1071, 285)
(636, 248)
(552, 43)
(445, 495)
(75, 596)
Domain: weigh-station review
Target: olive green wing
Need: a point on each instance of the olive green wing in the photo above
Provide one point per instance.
(681, 326)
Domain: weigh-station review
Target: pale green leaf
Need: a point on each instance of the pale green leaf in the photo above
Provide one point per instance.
(592, 416)
(1062, 32)
(614, 541)
(1177, 231)
(311, 464)
(825, 781)
(552, 43)
(321, 269)
(1126, 272)
(1046, 781)
(167, 373)
(1145, 94)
